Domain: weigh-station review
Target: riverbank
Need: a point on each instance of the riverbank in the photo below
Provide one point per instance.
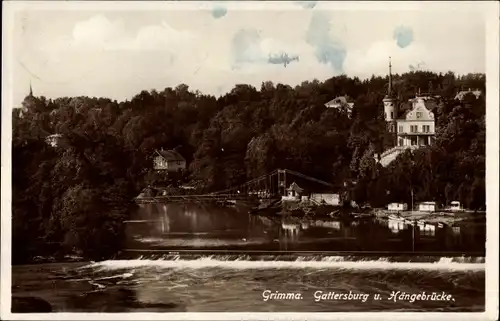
(300, 210)
(432, 217)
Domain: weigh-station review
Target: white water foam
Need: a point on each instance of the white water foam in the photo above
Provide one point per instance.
(120, 276)
(443, 264)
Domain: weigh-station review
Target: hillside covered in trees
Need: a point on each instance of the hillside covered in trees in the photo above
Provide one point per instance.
(73, 198)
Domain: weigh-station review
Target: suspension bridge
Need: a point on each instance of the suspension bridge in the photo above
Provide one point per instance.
(269, 185)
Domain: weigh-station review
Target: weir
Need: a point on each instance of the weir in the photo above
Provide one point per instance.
(408, 255)
(445, 264)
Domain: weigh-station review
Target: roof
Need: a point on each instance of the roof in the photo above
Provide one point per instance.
(170, 155)
(403, 110)
(339, 100)
(404, 114)
(405, 107)
(295, 187)
(461, 95)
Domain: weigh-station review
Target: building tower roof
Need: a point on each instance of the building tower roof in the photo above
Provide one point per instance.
(389, 91)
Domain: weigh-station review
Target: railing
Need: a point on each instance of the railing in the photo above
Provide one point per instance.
(260, 184)
(418, 132)
(178, 198)
(393, 150)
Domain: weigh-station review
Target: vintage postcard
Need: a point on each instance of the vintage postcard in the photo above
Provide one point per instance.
(249, 160)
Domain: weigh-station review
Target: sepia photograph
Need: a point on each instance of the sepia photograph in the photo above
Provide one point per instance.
(235, 160)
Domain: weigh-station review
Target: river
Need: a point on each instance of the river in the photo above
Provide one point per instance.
(175, 260)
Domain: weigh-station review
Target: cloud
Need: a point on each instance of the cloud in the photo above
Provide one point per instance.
(219, 11)
(274, 47)
(332, 53)
(159, 37)
(98, 32)
(327, 49)
(245, 46)
(249, 48)
(403, 36)
(375, 59)
(125, 53)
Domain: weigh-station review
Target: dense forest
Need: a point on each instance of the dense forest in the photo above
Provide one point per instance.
(73, 198)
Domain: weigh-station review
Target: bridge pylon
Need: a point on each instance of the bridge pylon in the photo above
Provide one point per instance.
(281, 181)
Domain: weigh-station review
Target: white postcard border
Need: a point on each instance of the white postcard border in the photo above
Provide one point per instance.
(491, 11)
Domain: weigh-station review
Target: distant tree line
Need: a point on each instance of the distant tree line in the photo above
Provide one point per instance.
(74, 197)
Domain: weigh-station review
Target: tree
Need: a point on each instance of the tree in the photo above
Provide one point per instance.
(75, 196)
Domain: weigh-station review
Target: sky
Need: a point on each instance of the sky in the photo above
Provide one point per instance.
(116, 51)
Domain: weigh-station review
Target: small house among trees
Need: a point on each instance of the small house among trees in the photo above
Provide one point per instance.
(169, 160)
(427, 206)
(397, 207)
(462, 94)
(341, 102)
(294, 192)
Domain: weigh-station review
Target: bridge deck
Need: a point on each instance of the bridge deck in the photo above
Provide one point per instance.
(179, 198)
(271, 184)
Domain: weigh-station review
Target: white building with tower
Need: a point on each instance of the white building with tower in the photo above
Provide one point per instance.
(412, 128)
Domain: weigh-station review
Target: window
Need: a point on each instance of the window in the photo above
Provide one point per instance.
(385, 115)
(419, 114)
(400, 129)
(392, 115)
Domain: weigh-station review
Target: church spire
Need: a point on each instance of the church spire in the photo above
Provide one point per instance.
(390, 79)
(31, 90)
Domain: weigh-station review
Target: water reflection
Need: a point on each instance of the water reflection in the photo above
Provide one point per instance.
(396, 225)
(427, 229)
(201, 226)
